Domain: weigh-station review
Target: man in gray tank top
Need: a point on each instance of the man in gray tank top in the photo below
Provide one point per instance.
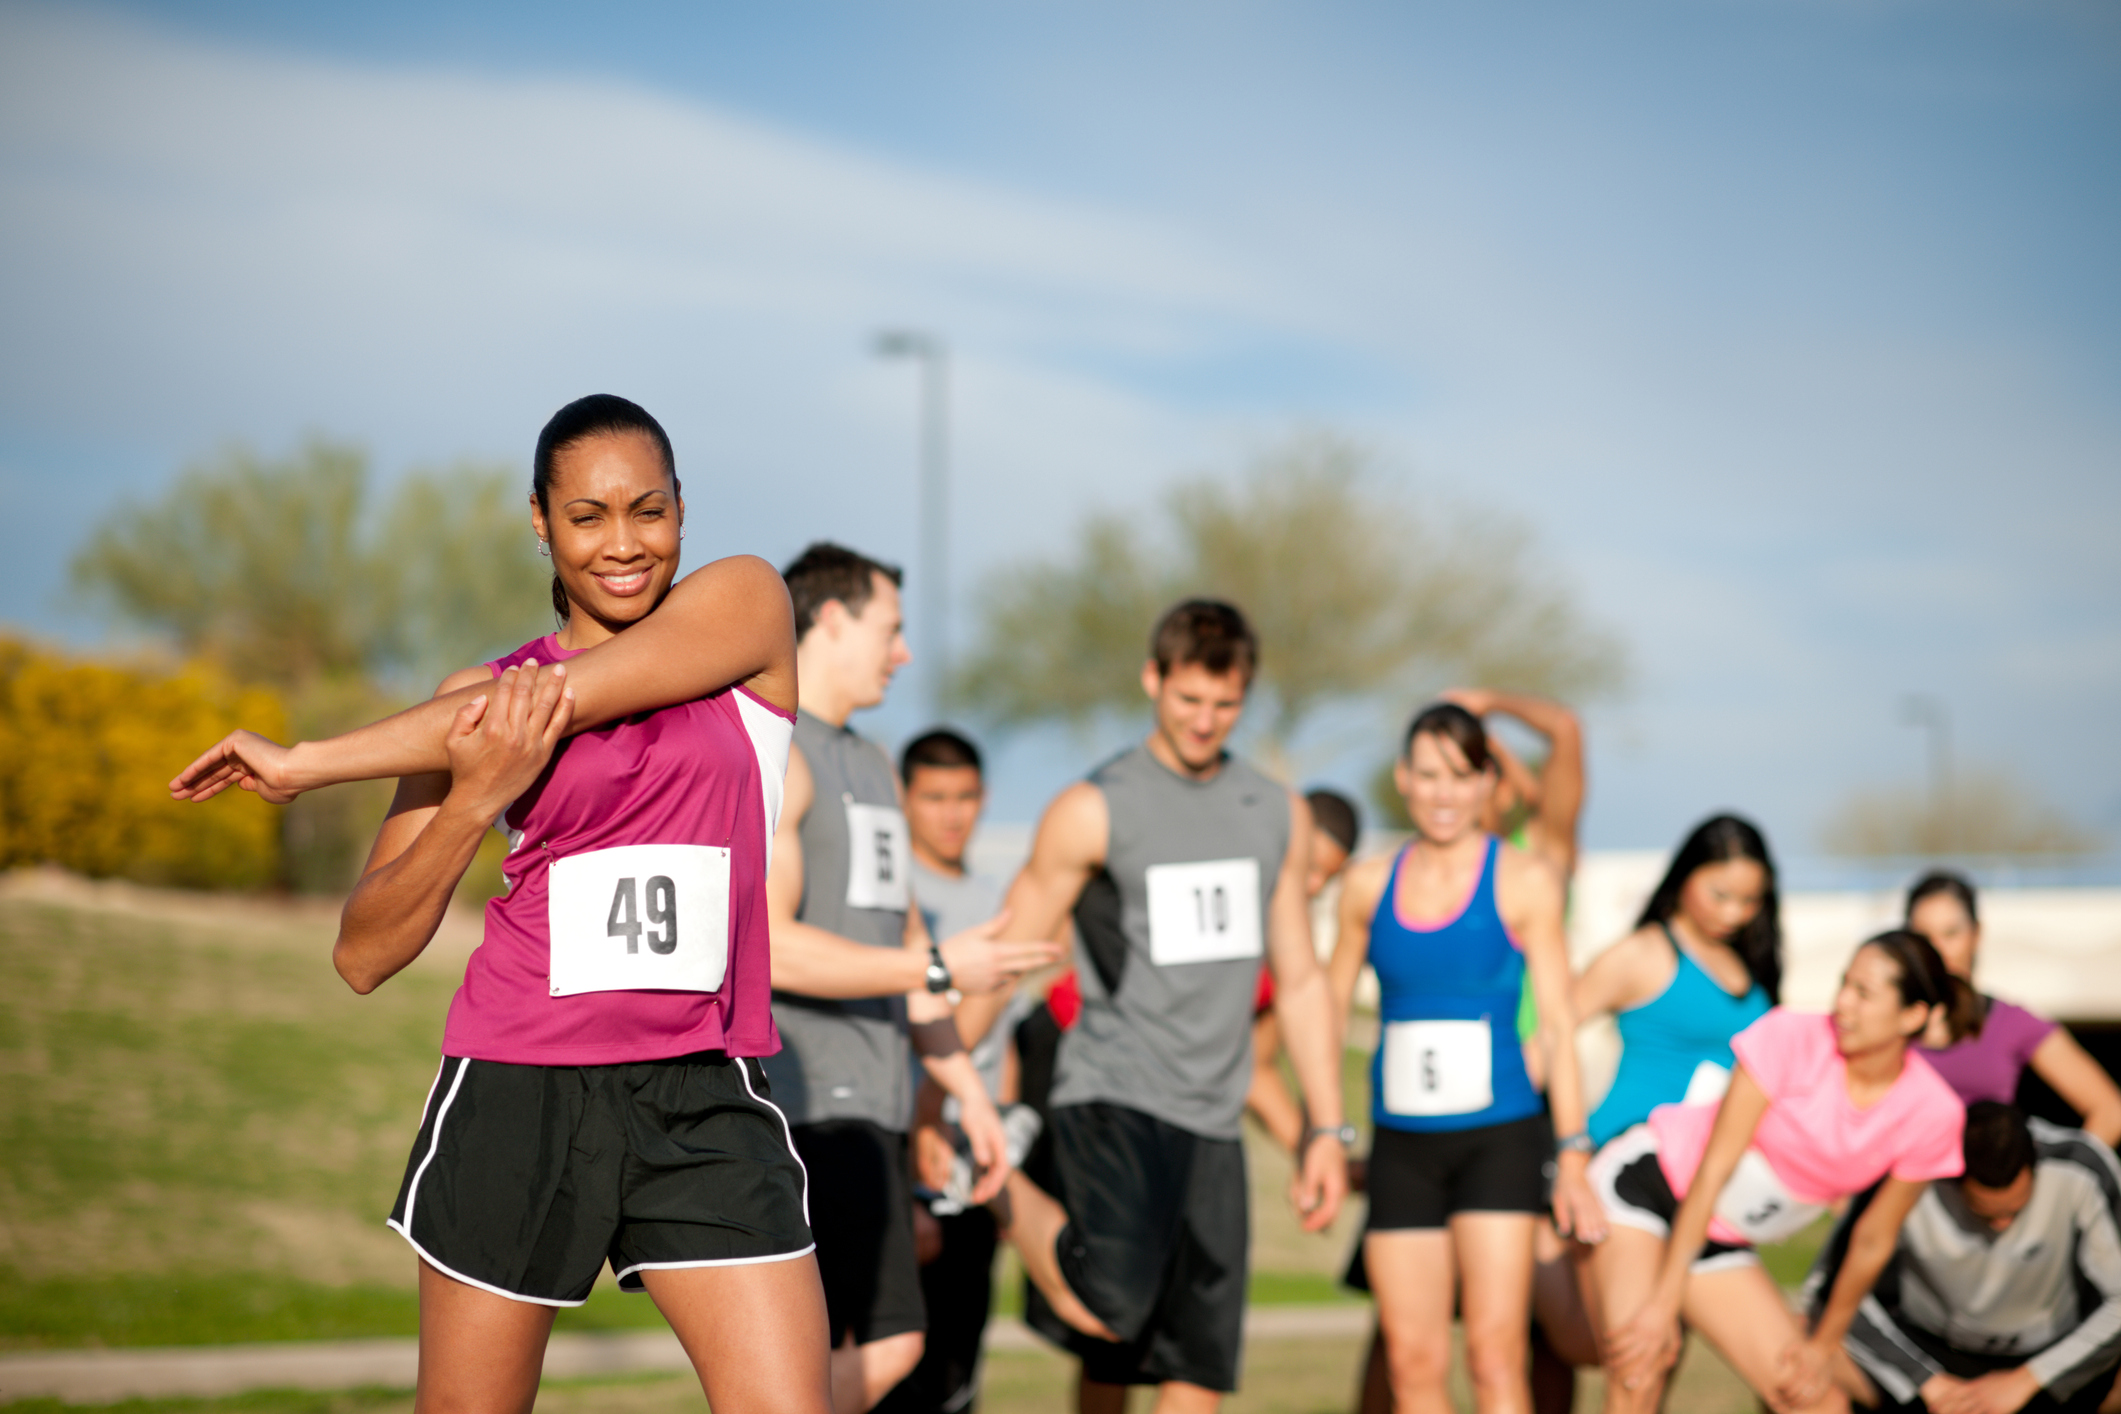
(1184, 868)
(859, 985)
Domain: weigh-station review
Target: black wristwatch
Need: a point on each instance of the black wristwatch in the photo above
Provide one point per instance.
(938, 971)
(1345, 1134)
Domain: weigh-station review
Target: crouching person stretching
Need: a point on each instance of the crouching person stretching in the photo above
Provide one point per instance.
(2005, 1290)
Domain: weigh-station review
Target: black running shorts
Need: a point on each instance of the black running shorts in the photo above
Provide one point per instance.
(1155, 1245)
(1419, 1180)
(862, 1207)
(525, 1179)
(1631, 1186)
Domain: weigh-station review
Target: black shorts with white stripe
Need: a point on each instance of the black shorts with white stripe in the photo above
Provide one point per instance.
(526, 1179)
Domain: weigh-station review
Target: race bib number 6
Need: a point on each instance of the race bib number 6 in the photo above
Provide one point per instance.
(1205, 912)
(642, 917)
(1438, 1067)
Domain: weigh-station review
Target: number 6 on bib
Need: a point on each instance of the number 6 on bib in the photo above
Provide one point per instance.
(641, 917)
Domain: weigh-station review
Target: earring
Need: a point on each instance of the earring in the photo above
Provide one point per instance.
(544, 547)
(681, 532)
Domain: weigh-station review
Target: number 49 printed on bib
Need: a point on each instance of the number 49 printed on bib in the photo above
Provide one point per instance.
(643, 917)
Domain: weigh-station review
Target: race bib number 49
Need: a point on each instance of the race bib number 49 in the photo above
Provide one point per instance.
(1438, 1067)
(640, 917)
(1204, 912)
(879, 857)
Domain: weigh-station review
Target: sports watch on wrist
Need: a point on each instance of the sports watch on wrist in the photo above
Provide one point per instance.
(1577, 1143)
(1344, 1133)
(938, 970)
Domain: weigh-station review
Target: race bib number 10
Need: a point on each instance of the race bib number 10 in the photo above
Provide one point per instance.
(879, 857)
(642, 917)
(1205, 912)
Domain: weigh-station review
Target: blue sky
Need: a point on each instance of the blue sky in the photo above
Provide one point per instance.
(1793, 330)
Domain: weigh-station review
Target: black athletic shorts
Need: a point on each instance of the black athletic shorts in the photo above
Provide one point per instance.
(525, 1179)
(958, 1283)
(1155, 1245)
(1631, 1186)
(861, 1206)
(1418, 1180)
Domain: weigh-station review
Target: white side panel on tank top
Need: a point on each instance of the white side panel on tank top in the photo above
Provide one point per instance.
(771, 735)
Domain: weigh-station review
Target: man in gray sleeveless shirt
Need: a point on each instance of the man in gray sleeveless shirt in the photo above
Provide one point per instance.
(858, 983)
(1184, 867)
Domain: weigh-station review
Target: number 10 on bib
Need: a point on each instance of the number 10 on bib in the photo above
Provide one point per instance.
(641, 917)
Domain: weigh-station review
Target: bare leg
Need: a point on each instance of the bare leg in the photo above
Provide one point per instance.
(1743, 1314)
(864, 1374)
(755, 1334)
(1557, 1297)
(1624, 1268)
(1036, 1224)
(1494, 1253)
(479, 1353)
(1414, 1276)
(1178, 1397)
(1091, 1397)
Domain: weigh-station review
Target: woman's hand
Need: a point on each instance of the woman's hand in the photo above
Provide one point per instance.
(1803, 1374)
(244, 759)
(499, 744)
(1644, 1346)
(1577, 1211)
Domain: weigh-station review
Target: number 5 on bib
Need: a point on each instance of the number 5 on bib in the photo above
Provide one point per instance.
(642, 917)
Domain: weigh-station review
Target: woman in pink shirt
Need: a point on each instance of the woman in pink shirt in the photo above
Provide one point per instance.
(1819, 1108)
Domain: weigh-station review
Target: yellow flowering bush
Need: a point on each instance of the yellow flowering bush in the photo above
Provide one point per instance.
(86, 753)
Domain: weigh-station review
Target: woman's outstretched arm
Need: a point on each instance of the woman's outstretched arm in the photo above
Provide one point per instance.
(730, 622)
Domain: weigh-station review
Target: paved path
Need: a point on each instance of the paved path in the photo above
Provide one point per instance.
(201, 1371)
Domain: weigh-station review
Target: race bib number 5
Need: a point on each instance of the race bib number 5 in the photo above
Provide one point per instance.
(1204, 912)
(879, 857)
(1438, 1067)
(638, 918)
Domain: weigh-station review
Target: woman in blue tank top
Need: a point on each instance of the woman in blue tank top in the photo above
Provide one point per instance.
(1452, 924)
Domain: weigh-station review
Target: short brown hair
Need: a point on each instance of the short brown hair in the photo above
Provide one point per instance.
(825, 572)
(1208, 632)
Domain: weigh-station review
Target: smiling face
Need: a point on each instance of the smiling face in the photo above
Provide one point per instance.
(1868, 1012)
(1446, 797)
(1196, 711)
(1718, 899)
(1951, 931)
(612, 517)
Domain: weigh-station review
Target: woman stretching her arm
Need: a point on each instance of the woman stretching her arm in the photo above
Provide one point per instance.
(1819, 1108)
(600, 1097)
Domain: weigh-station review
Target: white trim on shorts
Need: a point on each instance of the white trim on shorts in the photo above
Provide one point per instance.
(412, 1196)
(1633, 1143)
(743, 1069)
(716, 1262)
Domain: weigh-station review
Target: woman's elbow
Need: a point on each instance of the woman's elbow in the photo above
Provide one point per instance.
(355, 971)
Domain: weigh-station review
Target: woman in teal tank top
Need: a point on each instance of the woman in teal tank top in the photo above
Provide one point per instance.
(1452, 924)
(1704, 963)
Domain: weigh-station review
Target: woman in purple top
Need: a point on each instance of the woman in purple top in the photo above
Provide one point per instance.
(2001, 1038)
(600, 1100)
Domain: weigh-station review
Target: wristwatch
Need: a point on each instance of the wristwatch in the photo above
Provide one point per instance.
(938, 971)
(1345, 1134)
(1577, 1143)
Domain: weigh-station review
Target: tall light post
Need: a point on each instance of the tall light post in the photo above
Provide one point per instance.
(1930, 713)
(934, 597)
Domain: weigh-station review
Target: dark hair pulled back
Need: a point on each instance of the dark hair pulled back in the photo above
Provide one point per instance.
(1970, 1008)
(598, 415)
(1454, 724)
(1715, 841)
(1924, 980)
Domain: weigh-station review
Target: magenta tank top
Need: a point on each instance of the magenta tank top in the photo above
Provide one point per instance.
(706, 772)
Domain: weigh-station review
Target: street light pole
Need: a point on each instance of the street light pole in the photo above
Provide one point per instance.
(934, 597)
